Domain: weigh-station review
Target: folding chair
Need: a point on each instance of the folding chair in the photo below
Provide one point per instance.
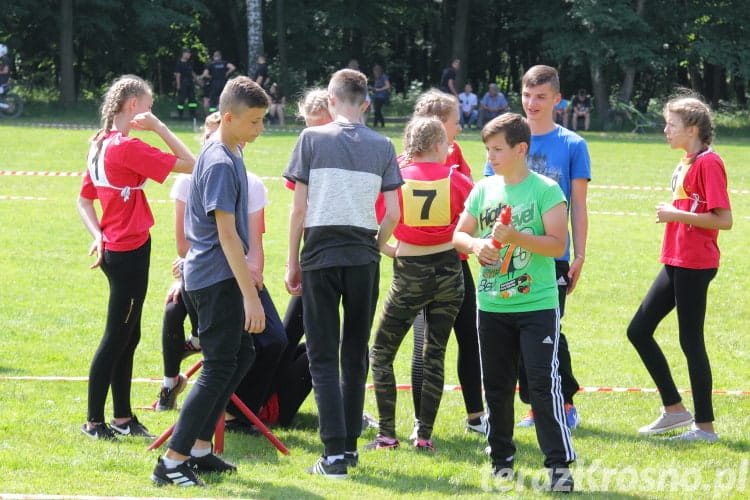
(641, 122)
(219, 435)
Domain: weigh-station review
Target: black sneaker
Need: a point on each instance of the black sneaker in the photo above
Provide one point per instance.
(503, 470)
(168, 397)
(560, 479)
(131, 428)
(335, 470)
(211, 463)
(189, 349)
(352, 458)
(99, 431)
(182, 475)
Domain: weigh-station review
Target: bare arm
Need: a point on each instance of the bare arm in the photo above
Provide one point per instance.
(231, 245)
(552, 243)
(185, 158)
(390, 219)
(579, 220)
(230, 68)
(179, 228)
(90, 220)
(718, 218)
(255, 255)
(465, 241)
(293, 279)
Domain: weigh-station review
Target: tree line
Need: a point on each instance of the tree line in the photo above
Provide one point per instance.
(629, 50)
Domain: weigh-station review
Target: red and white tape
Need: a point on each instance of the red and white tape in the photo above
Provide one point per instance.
(401, 387)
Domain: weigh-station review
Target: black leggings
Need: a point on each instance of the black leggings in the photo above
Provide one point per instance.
(112, 366)
(469, 366)
(686, 290)
(173, 332)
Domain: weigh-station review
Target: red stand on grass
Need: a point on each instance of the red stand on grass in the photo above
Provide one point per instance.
(219, 435)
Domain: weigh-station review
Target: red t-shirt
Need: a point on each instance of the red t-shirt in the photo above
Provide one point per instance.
(699, 188)
(128, 162)
(431, 201)
(456, 157)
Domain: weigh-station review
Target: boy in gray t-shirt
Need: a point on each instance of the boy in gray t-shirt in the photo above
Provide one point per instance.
(218, 284)
(339, 169)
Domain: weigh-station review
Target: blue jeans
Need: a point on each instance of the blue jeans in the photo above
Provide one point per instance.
(228, 353)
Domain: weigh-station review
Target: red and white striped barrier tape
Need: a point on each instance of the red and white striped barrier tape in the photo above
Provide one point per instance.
(402, 387)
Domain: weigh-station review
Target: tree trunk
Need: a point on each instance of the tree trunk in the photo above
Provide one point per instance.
(626, 91)
(67, 74)
(459, 41)
(601, 97)
(281, 42)
(254, 34)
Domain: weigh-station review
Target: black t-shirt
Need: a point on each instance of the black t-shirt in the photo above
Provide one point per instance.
(448, 74)
(218, 71)
(261, 70)
(185, 70)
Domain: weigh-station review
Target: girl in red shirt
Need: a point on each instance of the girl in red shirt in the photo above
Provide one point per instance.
(690, 254)
(118, 167)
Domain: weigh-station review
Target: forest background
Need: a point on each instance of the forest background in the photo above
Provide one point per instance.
(65, 52)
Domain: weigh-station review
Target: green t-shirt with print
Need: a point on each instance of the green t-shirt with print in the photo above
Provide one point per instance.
(520, 281)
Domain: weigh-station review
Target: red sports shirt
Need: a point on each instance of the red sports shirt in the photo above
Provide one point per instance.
(699, 188)
(128, 163)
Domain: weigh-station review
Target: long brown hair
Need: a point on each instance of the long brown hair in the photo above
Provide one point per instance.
(122, 89)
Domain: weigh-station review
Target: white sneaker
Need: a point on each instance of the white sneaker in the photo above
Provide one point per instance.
(667, 422)
(413, 434)
(480, 428)
(696, 434)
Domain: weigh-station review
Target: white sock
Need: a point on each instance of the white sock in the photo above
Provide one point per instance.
(332, 458)
(196, 341)
(200, 452)
(169, 382)
(170, 463)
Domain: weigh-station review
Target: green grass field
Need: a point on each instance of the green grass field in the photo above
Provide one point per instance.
(52, 310)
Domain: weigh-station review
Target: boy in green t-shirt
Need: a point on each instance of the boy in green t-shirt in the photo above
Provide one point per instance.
(517, 294)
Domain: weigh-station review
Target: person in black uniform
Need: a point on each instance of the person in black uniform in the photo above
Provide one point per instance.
(217, 72)
(184, 81)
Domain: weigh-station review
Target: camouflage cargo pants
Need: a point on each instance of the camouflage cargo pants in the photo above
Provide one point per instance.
(430, 282)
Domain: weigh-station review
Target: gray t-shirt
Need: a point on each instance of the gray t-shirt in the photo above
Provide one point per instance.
(219, 183)
(345, 166)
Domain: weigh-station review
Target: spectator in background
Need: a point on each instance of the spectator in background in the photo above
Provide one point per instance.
(260, 75)
(562, 111)
(185, 83)
(217, 72)
(492, 105)
(278, 101)
(381, 94)
(469, 103)
(581, 109)
(448, 78)
(4, 65)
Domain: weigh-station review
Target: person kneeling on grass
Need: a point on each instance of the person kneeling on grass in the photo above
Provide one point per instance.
(517, 294)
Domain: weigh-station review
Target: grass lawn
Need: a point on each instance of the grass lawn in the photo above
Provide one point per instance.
(52, 311)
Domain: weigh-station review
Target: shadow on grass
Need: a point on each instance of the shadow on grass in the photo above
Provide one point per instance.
(662, 440)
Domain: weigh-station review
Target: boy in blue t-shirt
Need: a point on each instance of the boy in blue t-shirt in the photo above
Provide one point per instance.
(561, 155)
(218, 283)
(517, 294)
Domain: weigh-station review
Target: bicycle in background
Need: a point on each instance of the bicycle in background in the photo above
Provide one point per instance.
(11, 105)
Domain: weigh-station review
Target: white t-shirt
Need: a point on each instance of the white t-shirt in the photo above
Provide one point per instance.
(468, 101)
(257, 197)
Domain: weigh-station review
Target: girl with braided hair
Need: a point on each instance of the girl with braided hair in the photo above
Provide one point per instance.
(427, 276)
(117, 169)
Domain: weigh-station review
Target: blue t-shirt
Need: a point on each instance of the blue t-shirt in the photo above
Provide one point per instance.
(219, 182)
(562, 156)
